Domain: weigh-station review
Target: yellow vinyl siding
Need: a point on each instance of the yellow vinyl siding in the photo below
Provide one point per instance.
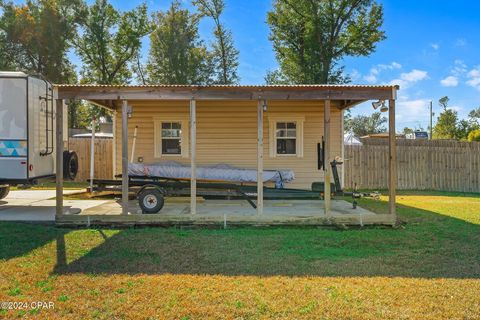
(227, 133)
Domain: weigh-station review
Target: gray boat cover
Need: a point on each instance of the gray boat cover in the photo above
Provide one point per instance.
(218, 172)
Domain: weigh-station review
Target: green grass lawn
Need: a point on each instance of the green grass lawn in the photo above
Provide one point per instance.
(427, 268)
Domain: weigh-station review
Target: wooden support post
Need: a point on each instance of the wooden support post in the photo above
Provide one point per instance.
(59, 159)
(92, 155)
(125, 157)
(342, 143)
(326, 134)
(114, 145)
(193, 157)
(260, 106)
(392, 158)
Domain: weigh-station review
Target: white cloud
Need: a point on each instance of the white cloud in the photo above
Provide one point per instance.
(449, 81)
(435, 46)
(370, 78)
(459, 68)
(456, 108)
(410, 111)
(414, 75)
(406, 79)
(375, 71)
(395, 65)
(474, 78)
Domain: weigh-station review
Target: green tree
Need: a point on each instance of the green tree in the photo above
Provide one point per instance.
(108, 45)
(362, 125)
(35, 37)
(224, 53)
(110, 41)
(6, 63)
(474, 115)
(447, 122)
(177, 55)
(311, 37)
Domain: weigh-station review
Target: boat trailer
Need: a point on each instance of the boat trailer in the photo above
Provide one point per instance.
(151, 191)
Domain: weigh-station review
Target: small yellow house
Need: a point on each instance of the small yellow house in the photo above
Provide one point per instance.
(258, 127)
(227, 133)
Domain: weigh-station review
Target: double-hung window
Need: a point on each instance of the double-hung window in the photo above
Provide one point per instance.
(286, 138)
(286, 135)
(171, 136)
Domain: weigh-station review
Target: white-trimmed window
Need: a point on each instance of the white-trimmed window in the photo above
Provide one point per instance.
(171, 137)
(286, 136)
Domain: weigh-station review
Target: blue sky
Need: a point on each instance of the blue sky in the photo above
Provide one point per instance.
(432, 49)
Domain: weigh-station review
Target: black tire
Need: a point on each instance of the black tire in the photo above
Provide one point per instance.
(70, 165)
(151, 200)
(4, 192)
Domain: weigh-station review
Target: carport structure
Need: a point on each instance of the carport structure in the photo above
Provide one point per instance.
(324, 102)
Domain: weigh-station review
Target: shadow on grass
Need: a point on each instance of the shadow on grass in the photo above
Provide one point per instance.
(20, 239)
(429, 246)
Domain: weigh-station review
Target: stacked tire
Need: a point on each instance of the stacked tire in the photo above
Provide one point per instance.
(70, 165)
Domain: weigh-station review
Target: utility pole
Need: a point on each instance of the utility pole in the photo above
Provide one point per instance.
(431, 119)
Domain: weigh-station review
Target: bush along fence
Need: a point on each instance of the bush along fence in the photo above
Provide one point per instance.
(421, 165)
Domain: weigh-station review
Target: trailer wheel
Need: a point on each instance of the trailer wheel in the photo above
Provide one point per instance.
(70, 165)
(150, 200)
(4, 192)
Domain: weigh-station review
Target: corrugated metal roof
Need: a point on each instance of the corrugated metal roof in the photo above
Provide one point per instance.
(279, 86)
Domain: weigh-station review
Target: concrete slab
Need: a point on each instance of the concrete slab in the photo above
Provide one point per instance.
(39, 205)
(220, 213)
(291, 208)
(35, 194)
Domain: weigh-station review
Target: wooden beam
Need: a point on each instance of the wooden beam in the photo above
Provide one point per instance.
(326, 134)
(392, 159)
(125, 157)
(193, 157)
(231, 93)
(59, 159)
(260, 106)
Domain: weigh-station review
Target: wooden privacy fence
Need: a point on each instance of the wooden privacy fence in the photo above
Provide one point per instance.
(103, 157)
(421, 165)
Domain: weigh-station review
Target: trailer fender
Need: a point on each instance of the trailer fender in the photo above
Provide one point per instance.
(152, 186)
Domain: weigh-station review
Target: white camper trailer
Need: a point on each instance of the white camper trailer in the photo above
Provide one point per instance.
(27, 132)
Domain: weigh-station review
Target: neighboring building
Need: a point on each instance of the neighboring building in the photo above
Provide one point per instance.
(417, 135)
(102, 135)
(349, 139)
(383, 135)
